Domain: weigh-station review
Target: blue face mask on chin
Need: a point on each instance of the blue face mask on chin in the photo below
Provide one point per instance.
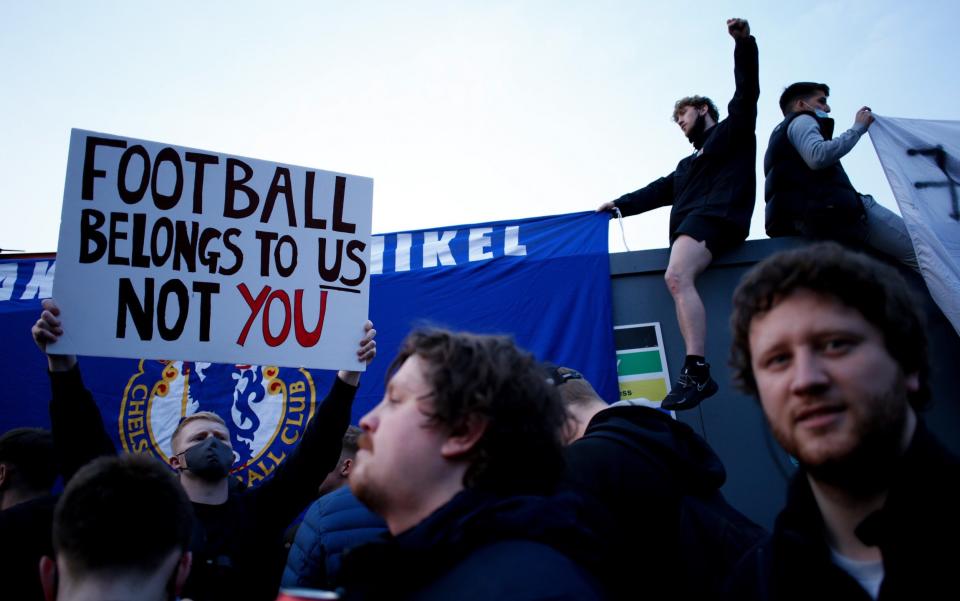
(821, 114)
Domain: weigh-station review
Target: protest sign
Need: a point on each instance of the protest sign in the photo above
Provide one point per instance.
(171, 252)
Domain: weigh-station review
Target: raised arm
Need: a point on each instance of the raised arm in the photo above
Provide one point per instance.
(294, 484)
(79, 435)
(746, 74)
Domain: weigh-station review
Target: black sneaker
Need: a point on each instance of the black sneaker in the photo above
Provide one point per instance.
(688, 393)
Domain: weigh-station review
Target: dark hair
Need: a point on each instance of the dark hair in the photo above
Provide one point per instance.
(696, 102)
(521, 450)
(800, 91)
(94, 521)
(350, 438)
(873, 289)
(28, 454)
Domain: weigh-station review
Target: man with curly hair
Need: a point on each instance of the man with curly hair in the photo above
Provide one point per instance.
(456, 458)
(712, 193)
(834, 346)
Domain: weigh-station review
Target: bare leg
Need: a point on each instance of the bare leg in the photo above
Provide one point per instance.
(688, 259)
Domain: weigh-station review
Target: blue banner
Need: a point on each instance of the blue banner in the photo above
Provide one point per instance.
(545, 281)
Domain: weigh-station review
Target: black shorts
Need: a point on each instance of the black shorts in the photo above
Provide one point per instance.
(720, 234)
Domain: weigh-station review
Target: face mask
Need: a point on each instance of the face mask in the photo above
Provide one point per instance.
(821, 114)
(210, 459)
(696, 132)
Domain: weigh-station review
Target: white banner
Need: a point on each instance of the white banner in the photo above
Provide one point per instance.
(921, 159)
(168, 252)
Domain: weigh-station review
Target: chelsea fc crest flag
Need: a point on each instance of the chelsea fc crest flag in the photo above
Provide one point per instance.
(544, 281)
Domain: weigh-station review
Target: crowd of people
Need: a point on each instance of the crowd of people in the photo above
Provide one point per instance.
(486, 473)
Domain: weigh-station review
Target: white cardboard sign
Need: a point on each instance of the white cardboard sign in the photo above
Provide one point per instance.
(168, 252)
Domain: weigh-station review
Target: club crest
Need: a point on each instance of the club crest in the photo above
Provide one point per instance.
(266, 409)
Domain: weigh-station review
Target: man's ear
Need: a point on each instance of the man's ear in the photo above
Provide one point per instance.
(463, 438)
(175, 462)
(345, 466)
(183, 570)
(48, 577)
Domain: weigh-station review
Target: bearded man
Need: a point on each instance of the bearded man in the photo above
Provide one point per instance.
(712, 193)
(834, 346)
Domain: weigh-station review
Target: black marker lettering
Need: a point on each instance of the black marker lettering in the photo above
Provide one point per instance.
(165, 202)
(90, 223)
(200, 161)
(339, 225)
(141, 313)
(277, 188)
(89, 170)
(233, 186)
(136, 195)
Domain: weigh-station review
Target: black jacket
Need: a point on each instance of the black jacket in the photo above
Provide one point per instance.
(658, 505)
(916, 530)
(237, 546)
(477, 547)
(25, 537)
(817, 203)
(721, 182)
(26, 529)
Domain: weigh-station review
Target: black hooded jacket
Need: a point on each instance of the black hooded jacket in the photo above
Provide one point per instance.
(721, 180)
(656, 484)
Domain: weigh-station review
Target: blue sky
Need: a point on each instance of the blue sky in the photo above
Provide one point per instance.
(461, 112)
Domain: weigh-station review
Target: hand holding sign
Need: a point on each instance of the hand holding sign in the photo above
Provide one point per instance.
(47, 331)
(365, 354)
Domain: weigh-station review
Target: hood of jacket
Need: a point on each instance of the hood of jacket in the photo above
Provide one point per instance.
(663, 440)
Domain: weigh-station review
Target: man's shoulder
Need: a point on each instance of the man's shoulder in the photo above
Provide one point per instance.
(27, 524)
(340, 510)
(625, 426)
(927, 446)
(928, 481)
(683, 165)
(772, 569)
(799, 122)
(750, 577)
(39, 509)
